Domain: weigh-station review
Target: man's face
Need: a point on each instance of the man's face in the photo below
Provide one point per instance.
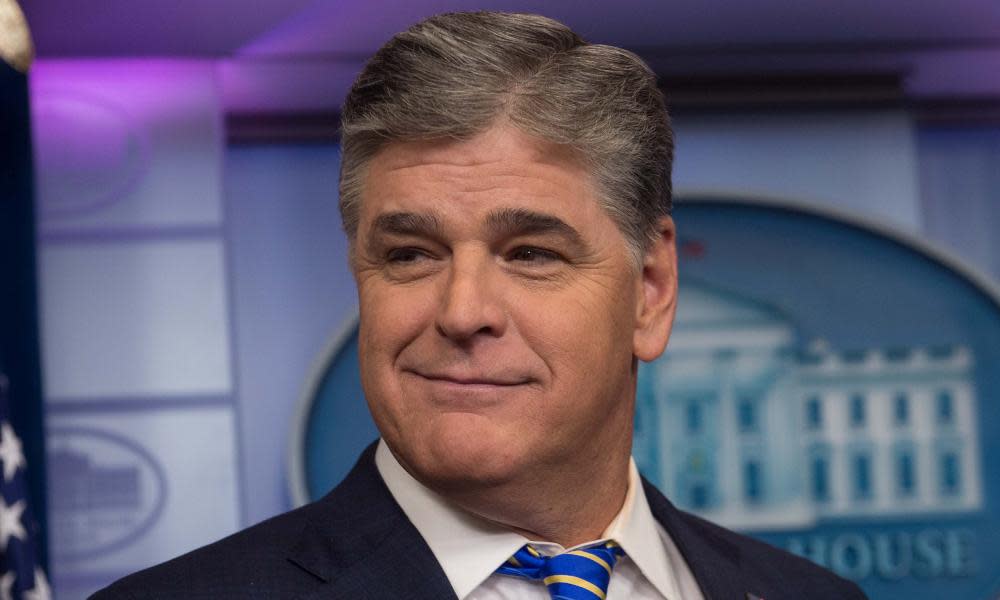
(498, 310)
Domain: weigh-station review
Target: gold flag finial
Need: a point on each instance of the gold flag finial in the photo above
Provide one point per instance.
(16, 48)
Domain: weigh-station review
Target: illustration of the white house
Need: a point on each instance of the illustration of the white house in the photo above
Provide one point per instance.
(744, 422)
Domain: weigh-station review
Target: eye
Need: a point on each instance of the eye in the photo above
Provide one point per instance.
(530, 254)
(405, 255)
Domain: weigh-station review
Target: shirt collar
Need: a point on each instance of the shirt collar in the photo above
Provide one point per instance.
(638, 533)
(470, 548)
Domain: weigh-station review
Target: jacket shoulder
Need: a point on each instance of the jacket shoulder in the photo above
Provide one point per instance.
(778, 573)
(727, 564)
(253, 561)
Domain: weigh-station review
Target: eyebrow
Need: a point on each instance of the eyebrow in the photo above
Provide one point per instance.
(407, 223)
(512, 222)
(502, 223)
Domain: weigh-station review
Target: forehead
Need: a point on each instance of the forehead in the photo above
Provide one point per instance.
(499, 166)
(496, 145)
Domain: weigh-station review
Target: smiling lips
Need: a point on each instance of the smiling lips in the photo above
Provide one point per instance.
(464, 392)
(474, 380)
(471, 380)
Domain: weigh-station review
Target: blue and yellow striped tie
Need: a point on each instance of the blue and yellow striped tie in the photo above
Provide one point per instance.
(575, 575)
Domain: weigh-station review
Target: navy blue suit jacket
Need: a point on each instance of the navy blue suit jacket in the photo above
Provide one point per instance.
(357, 543)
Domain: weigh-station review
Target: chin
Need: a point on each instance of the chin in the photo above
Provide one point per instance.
(461, 452)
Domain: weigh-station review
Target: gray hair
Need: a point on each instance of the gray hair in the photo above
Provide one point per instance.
(455, 75)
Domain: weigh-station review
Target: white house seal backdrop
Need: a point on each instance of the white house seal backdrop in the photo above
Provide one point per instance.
(827, 388)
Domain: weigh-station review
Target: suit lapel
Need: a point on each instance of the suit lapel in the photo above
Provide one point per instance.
(361, 545)
(714, 561)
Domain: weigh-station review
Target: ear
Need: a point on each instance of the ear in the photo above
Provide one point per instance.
(656, 302)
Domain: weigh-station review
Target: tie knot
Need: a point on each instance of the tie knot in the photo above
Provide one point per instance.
(582, 574)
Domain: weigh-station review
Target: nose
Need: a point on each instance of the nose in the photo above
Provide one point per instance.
(471, 303)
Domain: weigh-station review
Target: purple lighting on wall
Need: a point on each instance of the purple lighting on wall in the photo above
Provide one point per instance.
(103, 128)
(90, 150)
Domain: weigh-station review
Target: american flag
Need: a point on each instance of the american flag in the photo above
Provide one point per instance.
(20, 574)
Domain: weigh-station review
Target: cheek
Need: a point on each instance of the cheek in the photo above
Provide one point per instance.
(578, 330)
(390, 318)
(386, 326)
(389, 321)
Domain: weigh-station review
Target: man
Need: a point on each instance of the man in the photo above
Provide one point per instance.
(505, 188)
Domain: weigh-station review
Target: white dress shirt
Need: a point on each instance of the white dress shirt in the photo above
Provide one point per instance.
(469, 548)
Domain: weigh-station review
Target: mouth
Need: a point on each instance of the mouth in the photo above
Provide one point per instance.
(471, 380)
(467, 392)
